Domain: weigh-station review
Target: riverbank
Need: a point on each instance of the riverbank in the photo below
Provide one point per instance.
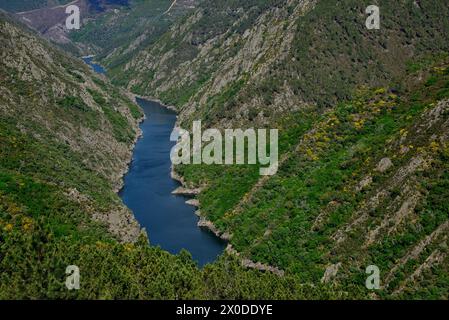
(150, 203)
(134, 96)
(203, 222)
(148, 191)
(137, 136)
(184, 190)
(210, 226)
(120, 220)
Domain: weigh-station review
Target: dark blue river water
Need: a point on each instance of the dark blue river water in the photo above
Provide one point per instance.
(169, 221)
(96, 67)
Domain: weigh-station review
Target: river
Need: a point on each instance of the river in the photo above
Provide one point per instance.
(169, 221)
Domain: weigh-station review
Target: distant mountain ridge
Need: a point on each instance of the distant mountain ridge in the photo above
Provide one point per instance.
(100, 19)
(17, 6)
(119, 35)
(48, 17)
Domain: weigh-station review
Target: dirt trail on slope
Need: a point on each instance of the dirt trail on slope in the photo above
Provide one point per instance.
(169, 9)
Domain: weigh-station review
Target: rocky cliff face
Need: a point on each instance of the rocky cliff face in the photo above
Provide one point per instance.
(55, 100)
(246, 61)
(362, 184)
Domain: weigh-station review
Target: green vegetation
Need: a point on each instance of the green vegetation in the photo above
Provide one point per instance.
(294, 219)
(359, 104)
(56, 181)
(73, 102)
(120, 126)
(126, 32)
(364, 152)
(43, 230)
(329, 53)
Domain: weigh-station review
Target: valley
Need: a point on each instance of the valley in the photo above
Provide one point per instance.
(170, 222)
(362, 176)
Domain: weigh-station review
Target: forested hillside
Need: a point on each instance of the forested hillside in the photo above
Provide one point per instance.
(65, 141)
(363, 122)
(363, 133)
(239, 61)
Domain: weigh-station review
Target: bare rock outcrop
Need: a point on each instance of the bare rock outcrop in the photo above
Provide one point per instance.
(330, 273)
(384, 165)
(254, 265)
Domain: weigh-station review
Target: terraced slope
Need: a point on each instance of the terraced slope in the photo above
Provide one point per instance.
(48, 17)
